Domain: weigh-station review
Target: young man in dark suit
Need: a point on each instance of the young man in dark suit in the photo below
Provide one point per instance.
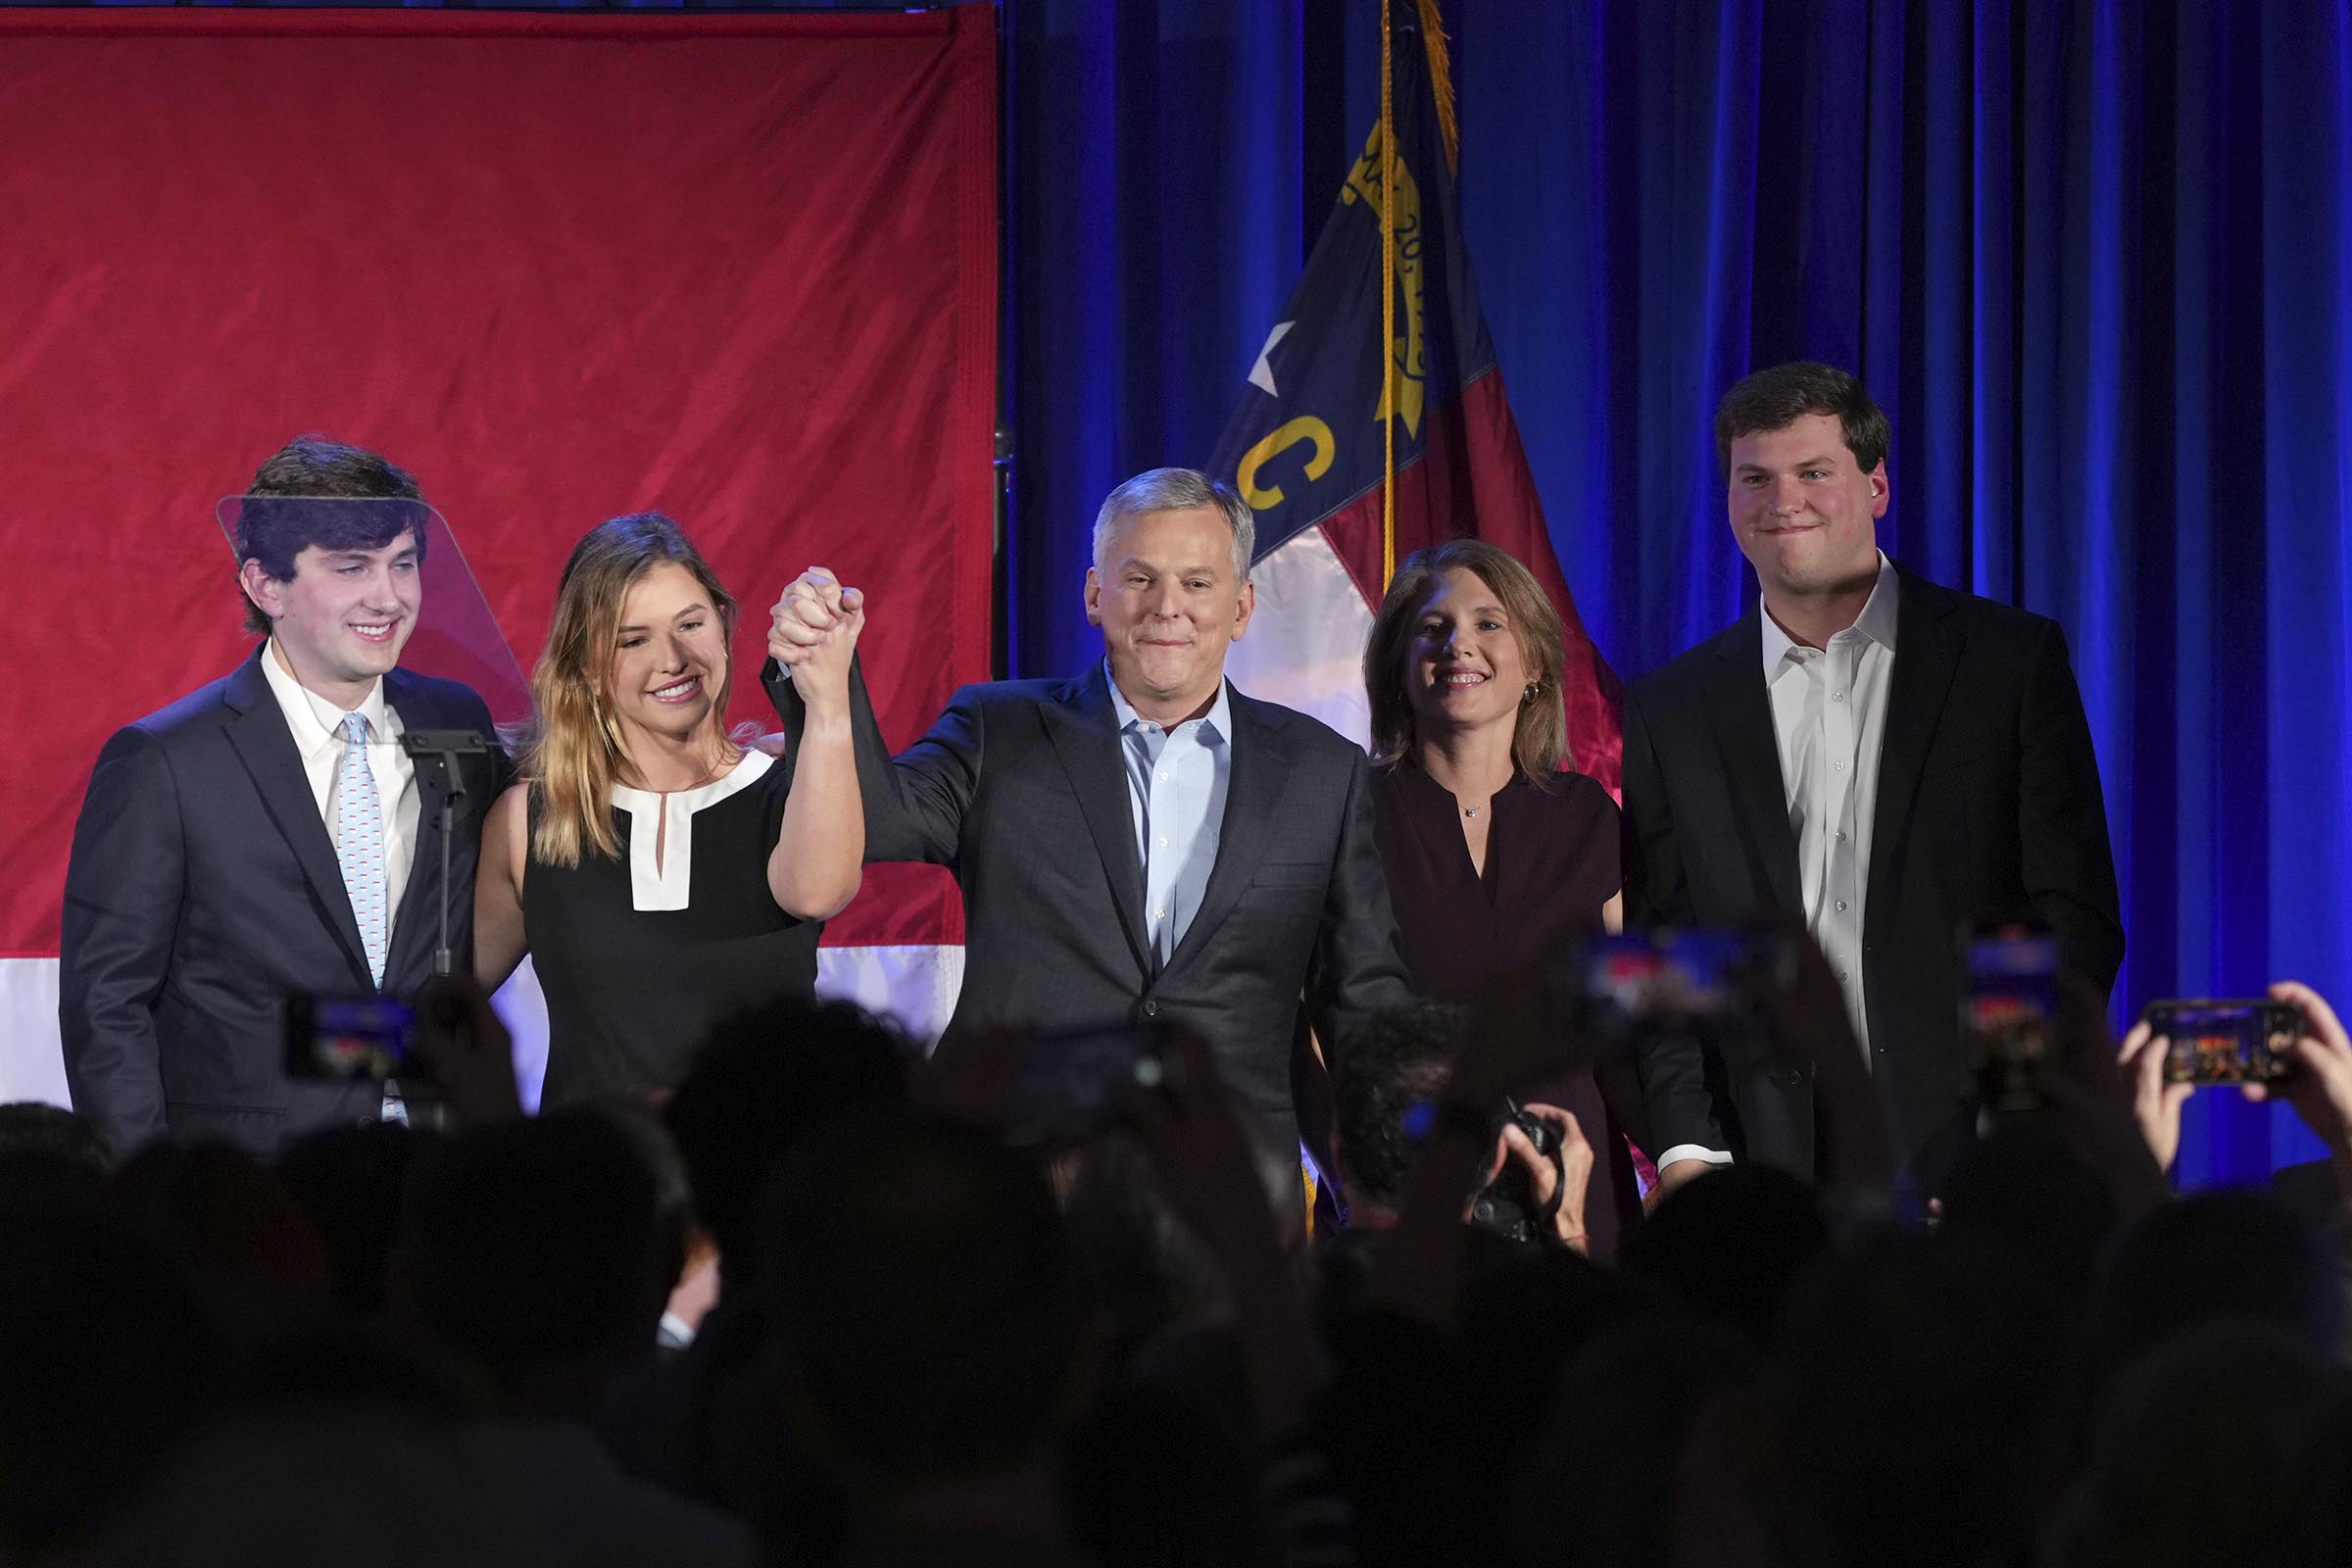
(1141, 842)
(265, 834)
(1885, 757)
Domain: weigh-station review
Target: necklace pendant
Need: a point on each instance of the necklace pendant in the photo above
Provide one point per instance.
(1472, 810)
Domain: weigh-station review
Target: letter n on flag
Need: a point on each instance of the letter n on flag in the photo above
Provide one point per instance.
(1305, 448)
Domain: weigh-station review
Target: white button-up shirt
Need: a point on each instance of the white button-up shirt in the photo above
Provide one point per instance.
(1828, 720)
(1176, 784)
(1829, 717)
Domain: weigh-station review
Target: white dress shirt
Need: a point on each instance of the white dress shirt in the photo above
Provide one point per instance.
(1829, 715)
(1829, 719)
(318, 728)
(1177, 779)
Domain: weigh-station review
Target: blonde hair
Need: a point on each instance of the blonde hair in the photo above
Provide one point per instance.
(1540, 742)
(571, 755)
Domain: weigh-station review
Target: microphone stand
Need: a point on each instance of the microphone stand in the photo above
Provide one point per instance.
(435, 752)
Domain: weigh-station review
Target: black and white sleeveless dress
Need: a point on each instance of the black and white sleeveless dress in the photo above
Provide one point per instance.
(639, 959)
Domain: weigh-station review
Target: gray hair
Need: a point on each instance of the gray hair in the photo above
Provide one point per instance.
(1172, 490)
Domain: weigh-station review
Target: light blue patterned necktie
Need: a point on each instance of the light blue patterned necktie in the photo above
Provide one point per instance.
(360, 842)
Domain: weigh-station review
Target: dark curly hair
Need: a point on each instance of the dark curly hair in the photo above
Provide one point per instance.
(1399, 1057)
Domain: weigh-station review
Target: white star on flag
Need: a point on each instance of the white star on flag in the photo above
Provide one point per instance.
(1263, 373)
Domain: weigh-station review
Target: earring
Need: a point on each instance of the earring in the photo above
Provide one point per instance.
(1533, 688)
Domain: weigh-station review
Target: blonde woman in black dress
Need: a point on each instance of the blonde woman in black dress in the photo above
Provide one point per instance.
(1494, 854)
(661, 875)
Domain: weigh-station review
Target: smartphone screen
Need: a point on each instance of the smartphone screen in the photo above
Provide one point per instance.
(1678, 974)
(1066, 1087)
(2226, 1042)
(2007, 1012)
(2012, 980)
(347, 1038)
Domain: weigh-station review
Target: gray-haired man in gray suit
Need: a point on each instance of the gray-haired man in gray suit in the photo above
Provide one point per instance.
(1141, 842)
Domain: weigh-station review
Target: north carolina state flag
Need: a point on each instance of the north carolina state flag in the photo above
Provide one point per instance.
(1305, 445)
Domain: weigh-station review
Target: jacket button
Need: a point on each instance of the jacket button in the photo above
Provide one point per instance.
(1151, 1008)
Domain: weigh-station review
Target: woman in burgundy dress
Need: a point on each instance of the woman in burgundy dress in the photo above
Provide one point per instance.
(1494, 854)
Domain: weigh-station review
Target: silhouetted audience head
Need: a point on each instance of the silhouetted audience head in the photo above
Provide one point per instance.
(1399, 1058)
(530, 1253)
(1914, 1398)
(49, 1153)
(2231, 1443)
(1732, 1244)
(351, 1181)
(231, 1221)
(1139, 1268)
(2026, 1189)
(109, 1356)
(336, 1361)
(1600, 1488)
(1158, 1480)
(1526, 1315)
(657, 1152)
(357, 1486)
(2212, 1258)
(764, 1085)
(925, 1302)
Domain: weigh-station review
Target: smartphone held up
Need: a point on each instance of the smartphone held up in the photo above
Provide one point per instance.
(2226, 1040)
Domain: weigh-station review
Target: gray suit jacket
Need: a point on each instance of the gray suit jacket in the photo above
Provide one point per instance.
(1019, 789)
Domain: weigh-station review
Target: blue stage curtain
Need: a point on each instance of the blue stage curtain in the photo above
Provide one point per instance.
(1153, 227)
(2090, 256)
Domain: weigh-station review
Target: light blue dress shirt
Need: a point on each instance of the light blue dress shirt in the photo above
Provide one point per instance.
(1176, 784)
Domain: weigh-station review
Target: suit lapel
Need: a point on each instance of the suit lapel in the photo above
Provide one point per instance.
(267, 748)
(1086, 738)
(1260, 763)
(1740, 713)
(419, 918)
(1926, 656)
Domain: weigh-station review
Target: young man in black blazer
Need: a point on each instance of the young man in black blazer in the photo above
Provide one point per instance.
(232, 850)
(1889, 759)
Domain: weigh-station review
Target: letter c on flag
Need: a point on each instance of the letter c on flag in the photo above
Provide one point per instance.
(1306, 428)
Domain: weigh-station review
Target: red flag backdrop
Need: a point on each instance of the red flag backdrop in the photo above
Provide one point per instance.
(740, 268)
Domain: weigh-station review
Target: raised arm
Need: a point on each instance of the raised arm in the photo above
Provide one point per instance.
(914, 804)
(814, 870)
(123, 887)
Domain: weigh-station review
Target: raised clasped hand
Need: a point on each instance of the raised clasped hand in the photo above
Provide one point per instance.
(812, 632)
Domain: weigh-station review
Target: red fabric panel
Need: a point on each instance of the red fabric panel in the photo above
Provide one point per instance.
(1473, 481)
(740, 268)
